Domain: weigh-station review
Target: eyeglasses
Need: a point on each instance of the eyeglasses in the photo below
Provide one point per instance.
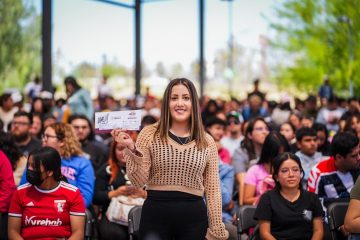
(261, 129)
(79, 127)
(20, 123)
(47, 136)
(294, 170)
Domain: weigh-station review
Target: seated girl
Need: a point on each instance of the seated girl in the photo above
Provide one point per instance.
(288, 211)
(112, 181)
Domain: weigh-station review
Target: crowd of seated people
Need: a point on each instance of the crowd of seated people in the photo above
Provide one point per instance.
(261, 145)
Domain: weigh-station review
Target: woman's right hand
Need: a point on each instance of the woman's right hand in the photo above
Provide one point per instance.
(120, 136)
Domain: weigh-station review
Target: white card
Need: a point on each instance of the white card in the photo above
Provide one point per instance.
(107, 121)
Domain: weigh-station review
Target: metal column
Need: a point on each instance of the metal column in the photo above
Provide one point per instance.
(202, 70)
(137, 47)
(46, 45)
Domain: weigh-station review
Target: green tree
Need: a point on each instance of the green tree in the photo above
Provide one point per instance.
(19, 43)
(85, 70)
(113, 68)
(314, 42)
(176, 70)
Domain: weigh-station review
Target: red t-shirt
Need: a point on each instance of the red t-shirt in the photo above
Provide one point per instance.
(46, 213)
(7, 184)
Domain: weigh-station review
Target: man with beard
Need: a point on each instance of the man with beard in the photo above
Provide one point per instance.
(85, 132)
(20, 130)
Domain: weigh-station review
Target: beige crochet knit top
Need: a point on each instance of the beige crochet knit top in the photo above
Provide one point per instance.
(174, 167)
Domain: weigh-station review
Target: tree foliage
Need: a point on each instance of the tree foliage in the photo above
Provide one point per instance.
(20, 48)
(315, 42)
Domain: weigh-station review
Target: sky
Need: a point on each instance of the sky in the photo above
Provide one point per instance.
(86, 30)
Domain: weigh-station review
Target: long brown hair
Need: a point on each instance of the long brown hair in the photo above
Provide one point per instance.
(113, 162)
(197, 130)
(247, 143)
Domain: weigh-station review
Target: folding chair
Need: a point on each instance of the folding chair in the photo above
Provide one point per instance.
(245, 220)
(336, 212)
(89, 223)
(134, 222)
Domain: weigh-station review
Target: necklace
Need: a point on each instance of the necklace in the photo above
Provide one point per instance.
(182, 142)
(186, 140)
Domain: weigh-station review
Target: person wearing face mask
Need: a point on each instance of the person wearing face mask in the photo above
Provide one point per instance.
(46, 207)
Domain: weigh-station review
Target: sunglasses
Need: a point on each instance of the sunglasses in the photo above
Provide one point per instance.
(232, 121)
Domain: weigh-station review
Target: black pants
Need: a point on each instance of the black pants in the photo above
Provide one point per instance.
(168, 215)
(3, 226)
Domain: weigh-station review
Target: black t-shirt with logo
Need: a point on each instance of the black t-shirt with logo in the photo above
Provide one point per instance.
(289, 220)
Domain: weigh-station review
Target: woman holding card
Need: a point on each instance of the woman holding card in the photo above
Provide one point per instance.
(178, 163)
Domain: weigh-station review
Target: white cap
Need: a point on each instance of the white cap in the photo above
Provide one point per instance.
(46, 95)
(16, 97)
